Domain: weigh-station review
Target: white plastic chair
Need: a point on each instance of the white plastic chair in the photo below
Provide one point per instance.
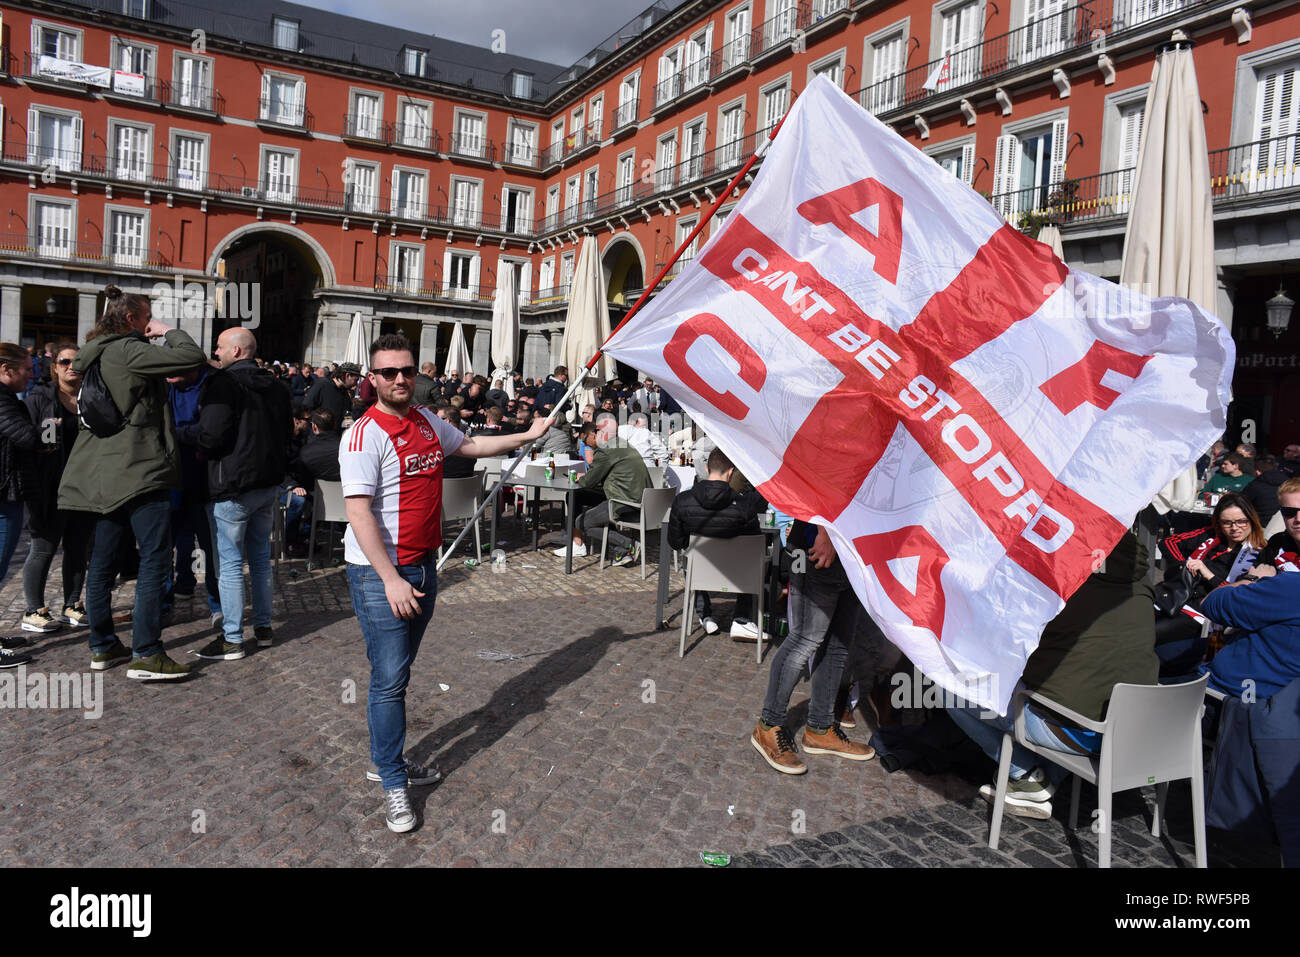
(328, 508)
(1151, 735)
(733, 565)
(652, 511)
(461, 498)
(656, 475)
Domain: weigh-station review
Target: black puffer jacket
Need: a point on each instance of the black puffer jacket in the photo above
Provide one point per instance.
(256, 440)
(18, 438)
(712, 508)
(1262, 493)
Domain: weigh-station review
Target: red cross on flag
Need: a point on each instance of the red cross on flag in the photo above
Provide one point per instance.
(975, 423)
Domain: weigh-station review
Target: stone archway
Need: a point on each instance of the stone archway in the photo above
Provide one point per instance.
(275, 271)
(623, 262)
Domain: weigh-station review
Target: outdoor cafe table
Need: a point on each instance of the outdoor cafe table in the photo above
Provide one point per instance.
(560, 483)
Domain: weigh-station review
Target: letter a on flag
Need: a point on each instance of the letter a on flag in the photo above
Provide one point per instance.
(976, 425)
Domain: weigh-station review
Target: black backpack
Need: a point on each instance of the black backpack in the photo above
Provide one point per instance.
(95, 406)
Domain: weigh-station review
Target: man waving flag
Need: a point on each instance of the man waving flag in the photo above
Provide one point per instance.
(974, 423)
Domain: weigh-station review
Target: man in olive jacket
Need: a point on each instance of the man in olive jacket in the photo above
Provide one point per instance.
(126, 478)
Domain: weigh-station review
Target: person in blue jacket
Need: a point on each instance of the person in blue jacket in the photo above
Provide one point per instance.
(1266, 648)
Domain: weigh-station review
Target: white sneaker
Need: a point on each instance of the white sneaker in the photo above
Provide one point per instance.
(579, 551)
(1020, 806)
(710, 625)
(742, 629)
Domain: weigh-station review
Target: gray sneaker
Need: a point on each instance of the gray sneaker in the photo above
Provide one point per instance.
(417, 775)
(398, 813)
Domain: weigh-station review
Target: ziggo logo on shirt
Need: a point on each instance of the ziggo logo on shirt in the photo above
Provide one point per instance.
(422, 462)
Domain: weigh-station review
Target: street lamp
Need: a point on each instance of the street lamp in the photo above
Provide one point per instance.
(51, 306)
(1278, 309)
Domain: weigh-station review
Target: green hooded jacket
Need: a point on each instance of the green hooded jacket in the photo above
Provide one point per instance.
(103, 474)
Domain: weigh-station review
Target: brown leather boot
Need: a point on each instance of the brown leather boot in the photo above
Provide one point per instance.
(836, 742)
(777, 749)
(843, 713)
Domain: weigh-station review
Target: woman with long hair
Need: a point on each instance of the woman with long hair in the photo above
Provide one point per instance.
(53, 408)
(17, 440)
(1201, 561)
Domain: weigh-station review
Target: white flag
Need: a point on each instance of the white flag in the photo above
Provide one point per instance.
(938, 75)
(881, 353)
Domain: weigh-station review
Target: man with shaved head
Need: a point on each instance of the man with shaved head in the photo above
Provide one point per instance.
(243, 478)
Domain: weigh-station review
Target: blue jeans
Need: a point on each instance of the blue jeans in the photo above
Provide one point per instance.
(11, 529)
(148, 518)
(987, 733)
(242, 529)
(191, 523)
(296, 504)
(391, 646)
(824, 612)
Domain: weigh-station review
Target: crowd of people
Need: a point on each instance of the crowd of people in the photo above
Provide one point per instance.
(133, 448)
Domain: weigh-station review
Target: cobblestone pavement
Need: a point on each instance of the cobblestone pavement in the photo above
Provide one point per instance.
(594, 745)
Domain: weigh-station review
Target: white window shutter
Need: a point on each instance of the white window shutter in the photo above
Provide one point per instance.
(474, 274)
(266, 96)
(33, 133)
(300, 101)
(1004, 168)
(968, 163)
(446, 272)
(1060, 138)
(75, 159)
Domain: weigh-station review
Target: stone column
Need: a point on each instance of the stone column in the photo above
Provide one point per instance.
(480, 350)
(557, 351)
(87, 313)
(1227, 293)
(535, 355)
(330, 340)
(428, 343)
(11, 313)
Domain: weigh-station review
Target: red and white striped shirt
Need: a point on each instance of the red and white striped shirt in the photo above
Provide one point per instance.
(398, 461)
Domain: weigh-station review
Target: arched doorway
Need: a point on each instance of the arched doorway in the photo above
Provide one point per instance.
(624, 269)
(272, 273)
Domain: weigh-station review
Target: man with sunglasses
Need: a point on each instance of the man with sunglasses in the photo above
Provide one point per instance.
(392, 463)
(1282, 553)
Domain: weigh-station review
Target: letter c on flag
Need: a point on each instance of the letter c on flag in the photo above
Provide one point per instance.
(753, 372)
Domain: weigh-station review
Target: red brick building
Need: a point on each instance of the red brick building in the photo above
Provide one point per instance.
(346, 166)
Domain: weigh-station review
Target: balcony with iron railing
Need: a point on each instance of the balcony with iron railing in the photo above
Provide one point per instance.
(1257, 170)
(285, 114)
(526, 156)
(624, 117)
(187, 96)
(780, 29)
(53, 247)
(471, 147)
(365, 126)
(412, 136)
(1039, 44)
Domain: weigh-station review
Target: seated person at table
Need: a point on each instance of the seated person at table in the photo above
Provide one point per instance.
(1262, 492)
(619, 472)
(712, 508)
(587, 441)
(1102, 637)
(648, 445)
(1199, 562)
(1282, 552)
(453, 466)
(1234, 474)
(556, 441)
(1265, 649)
(491, 424)
(318, 459)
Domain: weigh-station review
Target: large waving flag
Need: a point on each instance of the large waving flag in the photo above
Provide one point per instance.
(975, 423)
